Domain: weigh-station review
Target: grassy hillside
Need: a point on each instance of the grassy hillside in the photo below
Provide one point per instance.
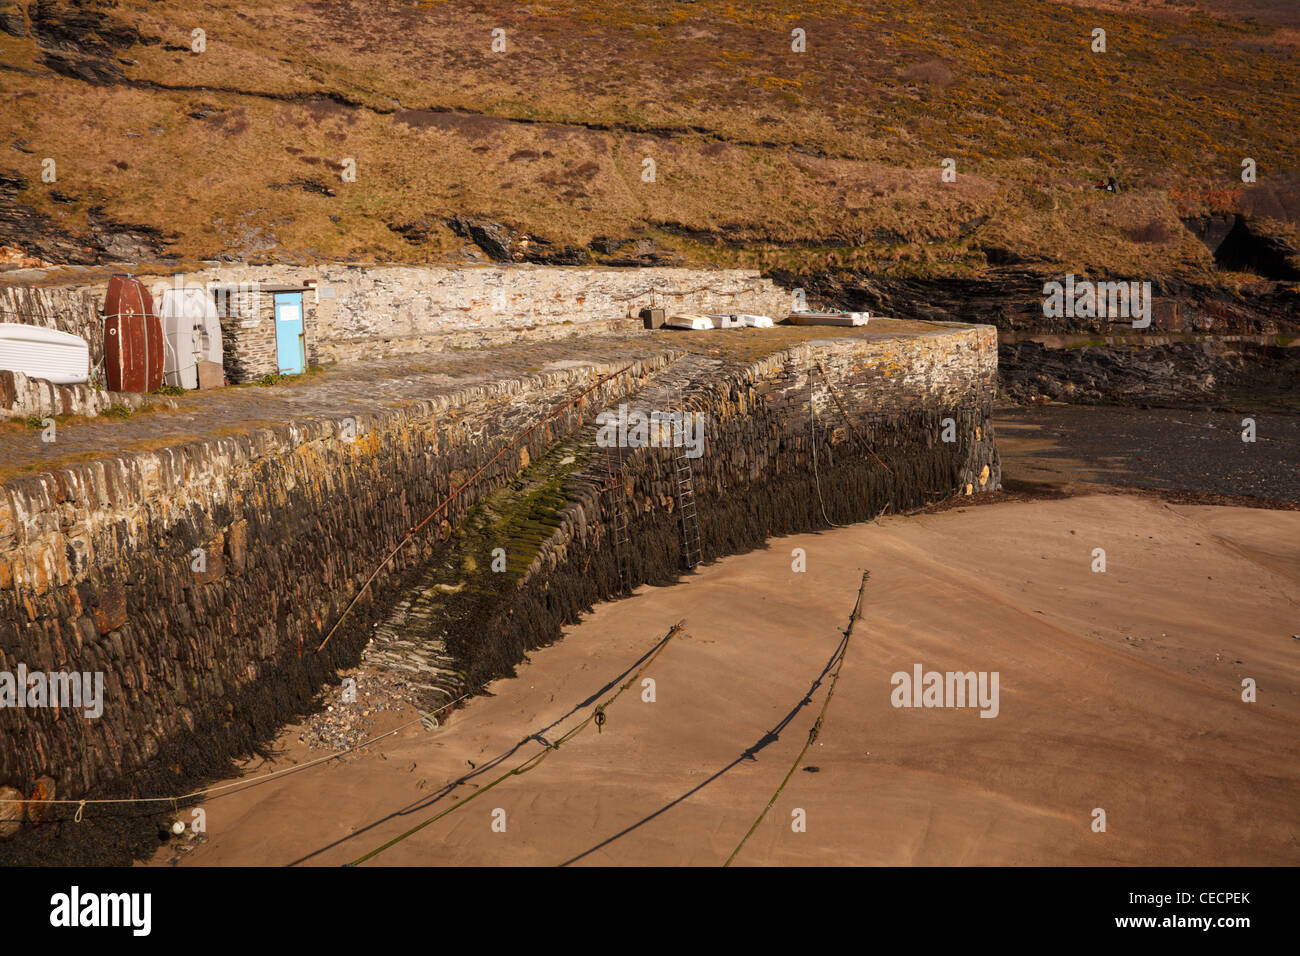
(763, 156)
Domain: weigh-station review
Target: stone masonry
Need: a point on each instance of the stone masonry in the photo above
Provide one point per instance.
(365, 311)
(203, 661)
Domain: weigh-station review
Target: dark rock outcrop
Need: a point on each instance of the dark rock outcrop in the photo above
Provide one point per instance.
(81, 41)
(1179, 374)
(1247, 248)
(1211, 228)
(492, 237)
(88, 69)
(1011, 299)
(35, 233)
(544, 252)
(80, 26)
(12, 20)
(413, 230)
(119, 241)
(106, 240)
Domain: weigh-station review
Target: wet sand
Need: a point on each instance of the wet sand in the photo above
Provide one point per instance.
(1187, 450)
(1118, 690)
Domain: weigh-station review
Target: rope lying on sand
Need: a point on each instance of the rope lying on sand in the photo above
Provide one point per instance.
(250, 781)
(596, 716)
(456, 491)
(817, 725)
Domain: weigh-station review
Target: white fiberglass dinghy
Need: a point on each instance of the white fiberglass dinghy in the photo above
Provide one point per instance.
(829, 318)
(690, 320)
(741, 320)
(38, 352)
(191, 332)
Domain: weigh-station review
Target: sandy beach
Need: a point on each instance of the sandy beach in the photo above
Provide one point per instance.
(1119, 690)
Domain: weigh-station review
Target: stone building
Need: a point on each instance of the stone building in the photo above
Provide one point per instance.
(267, 327)
(283, 319)
(355, 311)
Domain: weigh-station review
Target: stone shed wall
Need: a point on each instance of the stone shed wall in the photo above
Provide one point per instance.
(371, 311)
(248, 333)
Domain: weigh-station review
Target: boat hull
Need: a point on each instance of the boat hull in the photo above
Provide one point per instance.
(690, 321)
(133, 338)
(38, 352)
(846, 319)
(191, 333)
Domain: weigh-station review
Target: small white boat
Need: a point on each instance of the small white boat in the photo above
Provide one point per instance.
(690, 320)
(741, 320)
(179, 367)
(38, 352)
(191, 334)
(810, 317)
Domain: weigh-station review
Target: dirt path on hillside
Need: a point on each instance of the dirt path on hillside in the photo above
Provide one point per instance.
(1118, 690)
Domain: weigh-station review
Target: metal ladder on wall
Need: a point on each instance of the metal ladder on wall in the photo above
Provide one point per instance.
(616, 502)
(692, 552)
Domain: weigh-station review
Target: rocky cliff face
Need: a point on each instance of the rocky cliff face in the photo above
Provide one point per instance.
(1209, 373)
(1012, 300)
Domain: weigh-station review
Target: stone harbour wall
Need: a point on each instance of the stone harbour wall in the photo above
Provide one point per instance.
(200, 580)
(762, 474)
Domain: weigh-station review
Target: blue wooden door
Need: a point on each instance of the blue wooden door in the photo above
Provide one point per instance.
(290, 347)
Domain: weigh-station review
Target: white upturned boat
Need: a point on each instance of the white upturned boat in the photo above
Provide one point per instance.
(191, 334)
(692, 321)
(810, 317)
(741, 320)
(38, 352)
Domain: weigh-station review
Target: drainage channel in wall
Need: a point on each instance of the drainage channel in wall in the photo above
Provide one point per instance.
(492, 546)
(463, 588)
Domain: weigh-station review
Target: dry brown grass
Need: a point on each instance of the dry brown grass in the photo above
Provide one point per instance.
(832, 155)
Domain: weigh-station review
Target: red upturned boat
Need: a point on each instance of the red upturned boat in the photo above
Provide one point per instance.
(133, 338)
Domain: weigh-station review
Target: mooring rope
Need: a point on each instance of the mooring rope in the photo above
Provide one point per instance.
(31, 315)
(676, 295)
(250, 781)
(843, 411)
(817, 725)
(454, 493)
(812, 424)
(598, 716)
